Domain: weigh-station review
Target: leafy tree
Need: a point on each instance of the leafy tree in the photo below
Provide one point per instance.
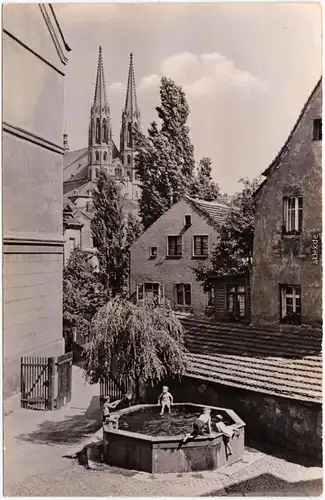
(142, 342)
(203, 186)
(233, 252)
(83, 294)
(165, 158)
(113, 232)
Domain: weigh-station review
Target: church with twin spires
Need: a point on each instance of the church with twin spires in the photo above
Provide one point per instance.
(83, 166)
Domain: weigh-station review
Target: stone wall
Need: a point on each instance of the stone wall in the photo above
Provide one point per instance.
(271, 422)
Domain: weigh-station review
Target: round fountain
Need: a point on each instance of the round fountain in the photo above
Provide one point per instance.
(140, 438)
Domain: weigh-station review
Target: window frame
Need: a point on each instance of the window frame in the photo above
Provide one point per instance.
(186, 222)
(285, 315)
(161, 290)
(298, 214)
(200, 256)
(184, 305)
(151, 255)
(235, 294)
(176, 255)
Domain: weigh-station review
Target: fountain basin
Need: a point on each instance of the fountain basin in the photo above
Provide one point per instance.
(161, 453)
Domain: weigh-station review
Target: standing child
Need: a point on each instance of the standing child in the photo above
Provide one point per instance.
(165, 399)
(106, 409)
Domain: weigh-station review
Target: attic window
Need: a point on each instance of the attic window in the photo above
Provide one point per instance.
(188, 220)
(317, 129)
(153, 252)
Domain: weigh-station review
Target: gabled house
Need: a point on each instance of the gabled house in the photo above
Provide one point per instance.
(163, 259)
(287, 271)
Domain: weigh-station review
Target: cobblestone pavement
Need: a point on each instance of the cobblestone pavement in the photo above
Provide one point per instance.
(35, 466)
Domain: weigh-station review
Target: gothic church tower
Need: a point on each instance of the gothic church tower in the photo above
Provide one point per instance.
(130, 118)
(100, 132)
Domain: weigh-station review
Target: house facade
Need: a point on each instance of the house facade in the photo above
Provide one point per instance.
(287, 272)
(164, 256)
(34, 61)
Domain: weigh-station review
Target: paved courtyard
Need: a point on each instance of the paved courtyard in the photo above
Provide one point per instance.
(36, 444)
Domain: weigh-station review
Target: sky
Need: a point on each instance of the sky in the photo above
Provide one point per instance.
(246, 68)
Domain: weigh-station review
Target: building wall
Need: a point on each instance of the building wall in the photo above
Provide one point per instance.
(272, 423)
(71, 233)
(163, 269)
(280, 259)
(33, 70)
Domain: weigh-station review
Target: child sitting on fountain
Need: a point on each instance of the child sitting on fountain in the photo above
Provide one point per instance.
(106, 409)
(204, 420)
(228, 432)
(165, 399)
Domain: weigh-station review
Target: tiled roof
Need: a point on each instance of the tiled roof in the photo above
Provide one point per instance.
(215, 211)
(285, 362)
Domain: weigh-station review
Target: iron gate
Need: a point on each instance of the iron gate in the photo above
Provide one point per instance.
(112, 388)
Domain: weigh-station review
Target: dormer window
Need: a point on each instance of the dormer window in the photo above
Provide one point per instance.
(188, 220)
(153, 252)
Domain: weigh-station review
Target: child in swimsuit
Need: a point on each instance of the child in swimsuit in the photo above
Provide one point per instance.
(165, 399)
(106, 409)
(204, 420)
(228, 432)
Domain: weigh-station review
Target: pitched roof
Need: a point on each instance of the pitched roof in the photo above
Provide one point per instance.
(215, 211)
(284, 362)
(286, 144)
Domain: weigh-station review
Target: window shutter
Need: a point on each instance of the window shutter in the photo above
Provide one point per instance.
(197, 245)
(161, 293)
(140, 291)
(205, 246)
(179, 245)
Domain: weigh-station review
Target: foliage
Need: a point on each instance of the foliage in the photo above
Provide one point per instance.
(203, 186)
(83, 294)
(165, 158)
(135, 341)
(233, 252)
(113, 232)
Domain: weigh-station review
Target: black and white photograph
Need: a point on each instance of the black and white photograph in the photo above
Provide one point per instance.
(162, 249)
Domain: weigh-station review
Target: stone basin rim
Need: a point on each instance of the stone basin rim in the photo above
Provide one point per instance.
(239, 424)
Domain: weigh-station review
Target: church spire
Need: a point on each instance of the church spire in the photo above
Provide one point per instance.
(100, 97)
(100, 133)
(131, 104)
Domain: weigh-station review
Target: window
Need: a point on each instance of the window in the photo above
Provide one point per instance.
(72, 243)
(129, 135)
(97, 130)
(129, 174)
(118, 172)
(174, 246)
(105, 131)
(183, 294)
(97, 172)
(290, 296)
(153, 291)
(317, 129)
(211, 297)
(200, 246)
(97, 156)
(292, 215)
(129, 159)
(188, 220)
(136, 177)
(236, 301)
(105, 156)
(153, 252)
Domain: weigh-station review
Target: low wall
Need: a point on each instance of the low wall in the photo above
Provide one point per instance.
(271, 422)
